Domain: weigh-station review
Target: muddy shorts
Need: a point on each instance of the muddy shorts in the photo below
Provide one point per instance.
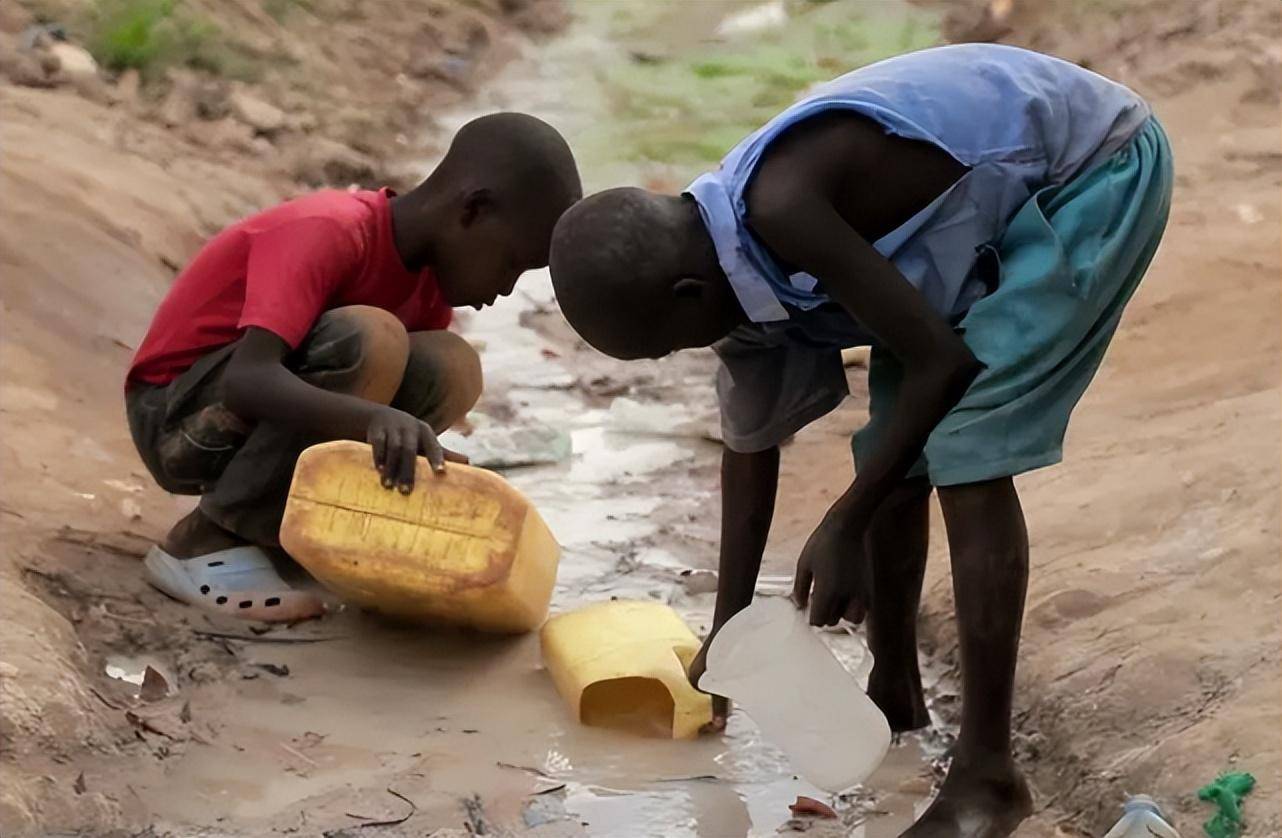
(193, 445)
(1069, 262)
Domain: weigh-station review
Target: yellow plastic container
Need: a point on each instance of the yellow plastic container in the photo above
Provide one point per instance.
(464, 548)
(623, 665)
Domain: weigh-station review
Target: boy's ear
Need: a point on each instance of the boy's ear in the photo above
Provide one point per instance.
(475, 204)
(689, 288)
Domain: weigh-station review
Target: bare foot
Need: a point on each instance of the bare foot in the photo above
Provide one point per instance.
(900, 697)
(989, 802)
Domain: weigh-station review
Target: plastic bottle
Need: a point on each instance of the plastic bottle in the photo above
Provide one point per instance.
(464, 548)
(1142, 819)
(770, 662)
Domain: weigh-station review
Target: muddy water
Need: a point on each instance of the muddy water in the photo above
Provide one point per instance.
(470, 729)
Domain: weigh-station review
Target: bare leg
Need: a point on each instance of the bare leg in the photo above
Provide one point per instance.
(984, 796)
(896, 541)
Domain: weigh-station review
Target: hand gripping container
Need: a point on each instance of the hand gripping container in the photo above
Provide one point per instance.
(622, 665)
(464, 548)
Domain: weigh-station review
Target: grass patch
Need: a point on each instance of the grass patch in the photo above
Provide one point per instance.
(690, 108)
(151, 35)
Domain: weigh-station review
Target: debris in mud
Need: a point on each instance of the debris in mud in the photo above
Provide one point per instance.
(154, 686)
(374, 822)
(527, 768)
(170, 723)
(280, 670)
(545, 807)
(605, 386)
(267, 638)
(499, 447)
(1226, 793)
(151, 678)
(79, 786)
(474, 809)
(809, 807)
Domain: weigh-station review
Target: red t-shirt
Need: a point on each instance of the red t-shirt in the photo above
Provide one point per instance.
(280, 270)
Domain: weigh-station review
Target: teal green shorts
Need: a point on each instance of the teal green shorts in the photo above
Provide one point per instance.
(1070, 261)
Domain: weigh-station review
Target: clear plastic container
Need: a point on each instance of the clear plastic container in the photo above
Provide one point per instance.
(770, 662)
(1142, 819)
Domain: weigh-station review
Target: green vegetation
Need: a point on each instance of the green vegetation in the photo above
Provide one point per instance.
(689, 104)
(150, 35)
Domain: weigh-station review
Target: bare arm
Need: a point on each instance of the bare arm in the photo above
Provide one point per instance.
(260, 388)
(748, 483)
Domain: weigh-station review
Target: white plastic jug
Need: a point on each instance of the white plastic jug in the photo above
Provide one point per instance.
(770, 662)
(1142, 819)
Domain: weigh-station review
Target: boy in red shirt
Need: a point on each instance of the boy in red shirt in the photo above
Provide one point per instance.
(325, 318)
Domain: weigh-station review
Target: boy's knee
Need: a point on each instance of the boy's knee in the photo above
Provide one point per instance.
(443, 379)
(358, 350)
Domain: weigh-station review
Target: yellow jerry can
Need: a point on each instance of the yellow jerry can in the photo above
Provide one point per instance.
(464, 548)
(623, 665)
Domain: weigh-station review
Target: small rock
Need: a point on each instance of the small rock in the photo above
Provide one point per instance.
(225, 134)
(131, 509)
(454, 70)
(1249, 214)
(40, 35)
(175, 110)
(697, 582)
(154, 686)
(263, 117)
(74, 62)
(26, 69)
(302, 123)
(128, 85)
(203, 673)
(327, 162)
(79, 786)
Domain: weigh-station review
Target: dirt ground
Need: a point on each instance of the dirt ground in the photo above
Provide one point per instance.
(1150, 660)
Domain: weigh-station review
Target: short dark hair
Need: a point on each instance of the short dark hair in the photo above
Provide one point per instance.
(610, 269)
(519, 156)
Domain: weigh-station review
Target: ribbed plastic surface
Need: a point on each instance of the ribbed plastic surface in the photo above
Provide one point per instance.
(464, 548)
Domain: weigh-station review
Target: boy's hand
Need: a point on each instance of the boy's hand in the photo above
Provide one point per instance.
(834, 560)
(398, 438)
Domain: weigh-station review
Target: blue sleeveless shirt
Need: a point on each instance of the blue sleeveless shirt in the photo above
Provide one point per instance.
(1018, 120)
